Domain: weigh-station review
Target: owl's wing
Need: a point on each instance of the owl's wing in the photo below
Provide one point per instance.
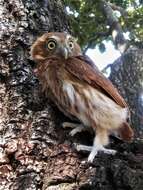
(87, 60)
(85, 72)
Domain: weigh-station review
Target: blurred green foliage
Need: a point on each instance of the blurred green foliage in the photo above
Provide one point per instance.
(88, 21)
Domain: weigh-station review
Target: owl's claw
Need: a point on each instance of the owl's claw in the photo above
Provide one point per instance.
(78, 129)
(80, 147)
(108, 151)
(94, 150)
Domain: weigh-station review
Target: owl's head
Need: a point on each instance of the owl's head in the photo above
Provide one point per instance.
(54, 44)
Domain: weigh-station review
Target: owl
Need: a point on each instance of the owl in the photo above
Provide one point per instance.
(81, 91)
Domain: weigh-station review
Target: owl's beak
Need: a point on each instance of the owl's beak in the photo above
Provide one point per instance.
(65, 52)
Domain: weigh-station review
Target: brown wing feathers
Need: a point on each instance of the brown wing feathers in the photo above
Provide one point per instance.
(94, 77)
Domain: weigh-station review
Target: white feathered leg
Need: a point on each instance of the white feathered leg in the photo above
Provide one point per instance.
(100, 141)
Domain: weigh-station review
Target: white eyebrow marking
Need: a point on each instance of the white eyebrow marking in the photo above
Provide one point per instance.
(68, 36)
(55, 37)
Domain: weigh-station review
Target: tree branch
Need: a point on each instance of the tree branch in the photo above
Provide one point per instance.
(94, 38)
(118, 8)
(115, 27)
(104, 70)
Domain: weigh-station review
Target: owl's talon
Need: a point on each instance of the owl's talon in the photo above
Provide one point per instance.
(72, 133)
(78, 129)
(80, 147)
(109, 151)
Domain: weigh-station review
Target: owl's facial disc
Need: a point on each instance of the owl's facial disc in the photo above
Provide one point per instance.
(62, 47)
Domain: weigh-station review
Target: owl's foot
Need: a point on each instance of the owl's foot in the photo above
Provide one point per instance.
(76, 127)
(94, 151)
(97, 149)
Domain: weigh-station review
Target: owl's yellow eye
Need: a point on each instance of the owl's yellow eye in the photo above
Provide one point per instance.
(71, 45)
(51, 44)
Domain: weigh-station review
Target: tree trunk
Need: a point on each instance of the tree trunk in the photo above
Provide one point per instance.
(35, 151)
(127, 75)
(127, 71)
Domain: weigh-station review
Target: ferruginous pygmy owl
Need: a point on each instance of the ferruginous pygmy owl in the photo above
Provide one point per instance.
(79, 89)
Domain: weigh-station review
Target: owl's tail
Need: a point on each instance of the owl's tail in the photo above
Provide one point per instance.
(126, 132)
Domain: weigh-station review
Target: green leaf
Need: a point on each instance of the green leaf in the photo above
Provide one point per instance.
(87, 19)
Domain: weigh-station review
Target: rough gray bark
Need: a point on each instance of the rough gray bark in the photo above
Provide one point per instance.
(127, 75)
(35, 152)
(27, 120)
(127, 71)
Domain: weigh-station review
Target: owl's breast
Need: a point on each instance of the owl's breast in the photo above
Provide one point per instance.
(52, 81)
(92, 107)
